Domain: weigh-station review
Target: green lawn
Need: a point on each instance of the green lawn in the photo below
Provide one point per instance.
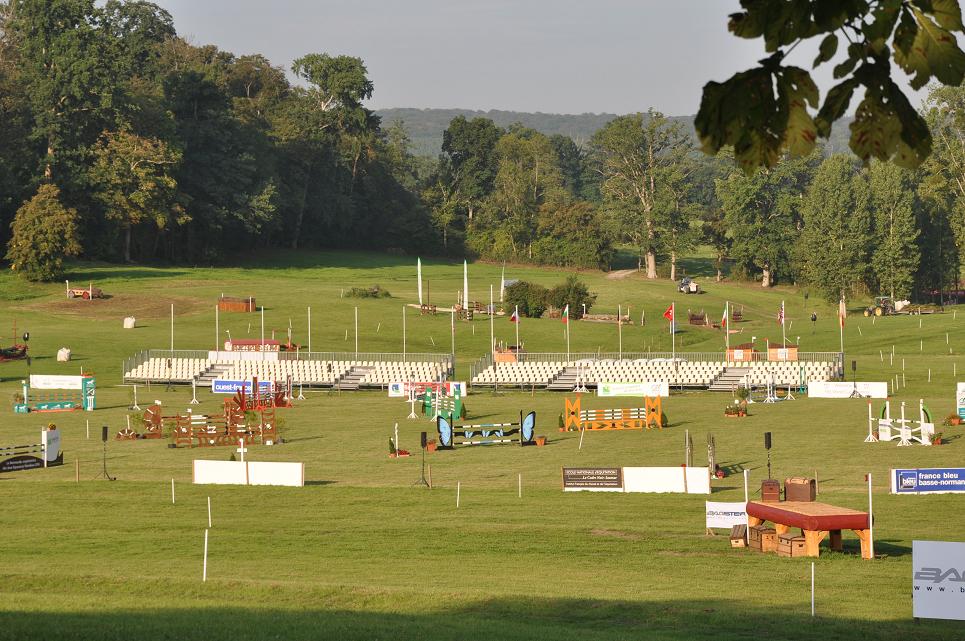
(363, 553)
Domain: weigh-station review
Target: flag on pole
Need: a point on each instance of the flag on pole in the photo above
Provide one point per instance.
(780, 314)
(514, 318)
(723, 321)
(842, 312)
(565, 316)
(669, 313)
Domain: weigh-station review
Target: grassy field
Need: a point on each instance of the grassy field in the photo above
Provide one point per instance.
(363, 553)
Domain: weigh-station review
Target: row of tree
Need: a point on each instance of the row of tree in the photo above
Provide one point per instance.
(121, 141)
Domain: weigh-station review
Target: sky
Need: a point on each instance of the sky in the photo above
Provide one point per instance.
(554, 56)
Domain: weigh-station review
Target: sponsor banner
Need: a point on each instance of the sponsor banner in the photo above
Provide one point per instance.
(689, 480)
(224, 386)
(960, 399)
(222, 356)
(725, 515)
(937, 480)
(401, 389)
(592, 479)
(842, 389)
(51, 442)
(47, 381)
(650, 389)
(938, 580)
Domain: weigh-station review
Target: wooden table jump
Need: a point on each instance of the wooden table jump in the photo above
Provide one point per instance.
(816, 521)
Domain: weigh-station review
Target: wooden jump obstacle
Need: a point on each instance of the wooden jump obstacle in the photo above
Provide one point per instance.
(633, 418)
(451, 435)
(205, 430)
(46, 453)
(229, 304)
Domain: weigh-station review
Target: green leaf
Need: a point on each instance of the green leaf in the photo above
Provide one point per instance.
(835, 104)
(948, 14)
(934, 52)
(829, 46)
(883, 22)
(854, 57)
(875, 130)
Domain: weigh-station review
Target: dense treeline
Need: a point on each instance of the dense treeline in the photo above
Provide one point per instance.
(164, 150)
(121, 141)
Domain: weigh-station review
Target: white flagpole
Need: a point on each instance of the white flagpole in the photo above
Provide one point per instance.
(172, 328)
(403, 333)
(502, 283)
(419, 276)
(452, 329)
(465, 284)
(517, 329)
(673, 333)
(492, 323)
(783, 334)
(727, 325)
(841, 328)
(262, 334)
(567, 333)
(217, 327)
(620, 329)
(309, 330)
(356, 332)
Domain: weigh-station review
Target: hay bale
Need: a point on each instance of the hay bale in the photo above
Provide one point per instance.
(63, 355)
(129, 322)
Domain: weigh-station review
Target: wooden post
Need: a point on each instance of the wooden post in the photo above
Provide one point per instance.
(172, 491)
(458, 491)
(520, 485)
(429, 475)
(76, 470)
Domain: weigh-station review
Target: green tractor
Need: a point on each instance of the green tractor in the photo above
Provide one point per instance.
(883, 306)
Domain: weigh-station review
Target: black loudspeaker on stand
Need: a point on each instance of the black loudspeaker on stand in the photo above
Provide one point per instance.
(104, 474)
(767, 446)
(422, 480)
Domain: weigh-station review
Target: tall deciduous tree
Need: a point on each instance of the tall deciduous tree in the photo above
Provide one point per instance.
(136, 183)
(44, 232)
(637, 155)
(470, 148)
(762, 214)
(895, 258)
(836, 241)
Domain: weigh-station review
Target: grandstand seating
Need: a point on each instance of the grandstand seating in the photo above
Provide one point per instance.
(308, 372)
(697, 374)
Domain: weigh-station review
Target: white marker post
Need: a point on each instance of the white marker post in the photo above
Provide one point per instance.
(812, 588)
(458, 491)
(746, 498)
(209, 511)
(172, 491)
(204, 566)
(241, 450)
(520, 485)
(582, 431)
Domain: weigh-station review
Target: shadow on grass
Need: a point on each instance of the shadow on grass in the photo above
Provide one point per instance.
(121, 272)
(519, 618)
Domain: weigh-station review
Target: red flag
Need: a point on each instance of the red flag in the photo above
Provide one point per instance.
(669, 313)
(842, 312)
(723, 321)
(780, 314)
(514, 318)
(565, 316)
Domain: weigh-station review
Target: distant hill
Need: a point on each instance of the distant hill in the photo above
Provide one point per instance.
(425, 126)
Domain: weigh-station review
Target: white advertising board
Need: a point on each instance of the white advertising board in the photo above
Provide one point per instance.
(650, 389)
(248, 473)
(689, 480)
(844, 389)
(938, 580)
(725, 515)
(219, 473)
(54, 381)
(273, 473)
(960, 399)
